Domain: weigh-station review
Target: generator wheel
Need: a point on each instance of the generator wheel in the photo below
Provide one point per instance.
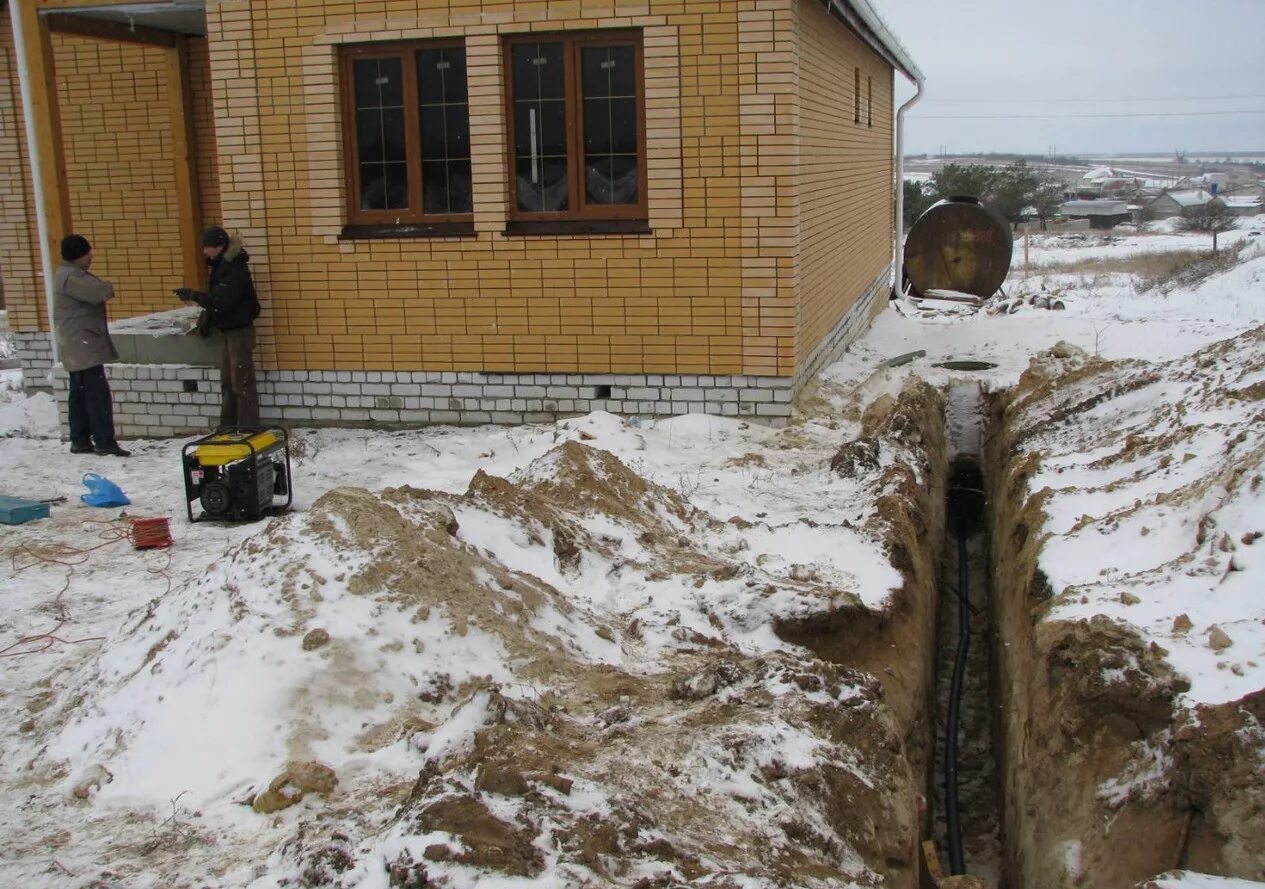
(215, 498)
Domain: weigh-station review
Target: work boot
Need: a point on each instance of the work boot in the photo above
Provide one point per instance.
(76, 448)
(112, 451)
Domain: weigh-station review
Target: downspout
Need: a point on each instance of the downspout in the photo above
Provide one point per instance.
(898, 284)
(32, 150)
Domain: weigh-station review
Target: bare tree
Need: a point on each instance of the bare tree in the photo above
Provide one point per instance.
(1214, 217)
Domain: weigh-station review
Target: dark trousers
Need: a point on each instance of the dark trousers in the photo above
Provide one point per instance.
(91, 410)
(240, 405)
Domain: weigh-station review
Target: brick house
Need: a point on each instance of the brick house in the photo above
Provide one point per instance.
(469, 211)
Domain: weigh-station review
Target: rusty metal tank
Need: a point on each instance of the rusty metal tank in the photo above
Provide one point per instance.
(958, 244)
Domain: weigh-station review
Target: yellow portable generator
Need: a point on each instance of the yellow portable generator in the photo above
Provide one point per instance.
(238, 473)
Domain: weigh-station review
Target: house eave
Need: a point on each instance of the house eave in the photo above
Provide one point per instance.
(864, 20)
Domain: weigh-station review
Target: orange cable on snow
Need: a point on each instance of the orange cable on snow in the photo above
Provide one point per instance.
(145, 533)
(151, 533)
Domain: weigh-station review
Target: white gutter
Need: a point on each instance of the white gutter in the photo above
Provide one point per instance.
(32, 150)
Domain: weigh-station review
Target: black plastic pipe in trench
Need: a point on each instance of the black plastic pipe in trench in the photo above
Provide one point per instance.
(956, 864)
(965, 506)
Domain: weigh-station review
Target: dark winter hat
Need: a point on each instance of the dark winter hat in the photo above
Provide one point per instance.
(214, 236)
(74, 246)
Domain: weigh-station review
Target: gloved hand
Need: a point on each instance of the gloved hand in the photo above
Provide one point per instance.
(184, 293)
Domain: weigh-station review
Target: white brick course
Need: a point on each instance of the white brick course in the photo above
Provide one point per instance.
(152, 401)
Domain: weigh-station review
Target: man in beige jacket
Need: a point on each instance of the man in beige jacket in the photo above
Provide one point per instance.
(83, 341)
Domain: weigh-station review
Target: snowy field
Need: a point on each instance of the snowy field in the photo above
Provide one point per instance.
(148, 696)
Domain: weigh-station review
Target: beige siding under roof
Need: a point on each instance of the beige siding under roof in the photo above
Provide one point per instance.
(845, 172)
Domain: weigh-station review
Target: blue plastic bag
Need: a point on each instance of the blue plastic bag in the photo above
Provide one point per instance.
(102, 491)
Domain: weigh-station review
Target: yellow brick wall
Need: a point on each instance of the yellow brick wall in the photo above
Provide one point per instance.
(845, 172)
(119, 167)
(116, 133)
(710, 291)
(19, 249)
(206, 155)
(730, 105)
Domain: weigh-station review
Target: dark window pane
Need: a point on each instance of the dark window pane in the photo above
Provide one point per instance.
(363, 72)
(612, 179)
(460, 187)
(552, 128)
(379, 109)
(538, 71)
(435, 187)
(623, 121)
(441, 75)
(597, 126)
(397, 186)
(378, 83)
(525, 135)
(458, 129)
(609, 71)
(446, 187)
(455, 75)
(549, 69)
(540, 128)
(444, 118)
(525, 85)
(431, 68)
(380, 135)
(393, 140)
(369, 135)
(373, 190)
(445, 132)
(383, 186)
(433, 133)
(543, 186)
(593, 61)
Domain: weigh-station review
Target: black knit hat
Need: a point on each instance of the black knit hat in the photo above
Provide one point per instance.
(74, 246)
(214, 236)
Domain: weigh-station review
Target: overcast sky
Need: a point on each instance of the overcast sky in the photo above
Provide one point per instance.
(993, 60)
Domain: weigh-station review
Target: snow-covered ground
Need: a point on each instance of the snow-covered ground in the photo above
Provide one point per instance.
(1049, 249)
(147, 697)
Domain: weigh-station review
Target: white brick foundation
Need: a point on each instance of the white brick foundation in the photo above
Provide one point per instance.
(35, 351)
(159, 401)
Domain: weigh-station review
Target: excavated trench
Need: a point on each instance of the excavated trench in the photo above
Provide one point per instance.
(1018, 795)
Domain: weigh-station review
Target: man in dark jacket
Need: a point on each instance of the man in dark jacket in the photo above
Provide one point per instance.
(232, 306)
(84, 345)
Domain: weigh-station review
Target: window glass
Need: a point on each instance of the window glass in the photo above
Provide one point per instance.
(444, 117)
(380, 134)
(575, 120)
(408, 132)
(609, 84)
(540, 126)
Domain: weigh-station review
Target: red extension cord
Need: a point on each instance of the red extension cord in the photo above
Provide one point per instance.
(150, 533)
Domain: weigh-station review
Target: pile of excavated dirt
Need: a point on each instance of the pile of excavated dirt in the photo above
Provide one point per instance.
(1127, 505)
(569, 675)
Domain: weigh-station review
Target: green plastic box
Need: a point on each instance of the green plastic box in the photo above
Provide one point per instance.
(15, 510)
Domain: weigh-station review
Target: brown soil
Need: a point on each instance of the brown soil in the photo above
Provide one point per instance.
(897, 644)
(1088, 705)
(854, 816)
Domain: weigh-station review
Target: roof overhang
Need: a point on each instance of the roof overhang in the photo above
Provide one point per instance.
(187, 17)
(862, 18)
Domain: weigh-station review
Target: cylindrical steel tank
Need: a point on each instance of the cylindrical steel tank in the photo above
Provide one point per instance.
(958, 244)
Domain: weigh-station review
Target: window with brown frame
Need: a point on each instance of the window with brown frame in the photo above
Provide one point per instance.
(406, 126)
(869, 101)
(576, 120)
